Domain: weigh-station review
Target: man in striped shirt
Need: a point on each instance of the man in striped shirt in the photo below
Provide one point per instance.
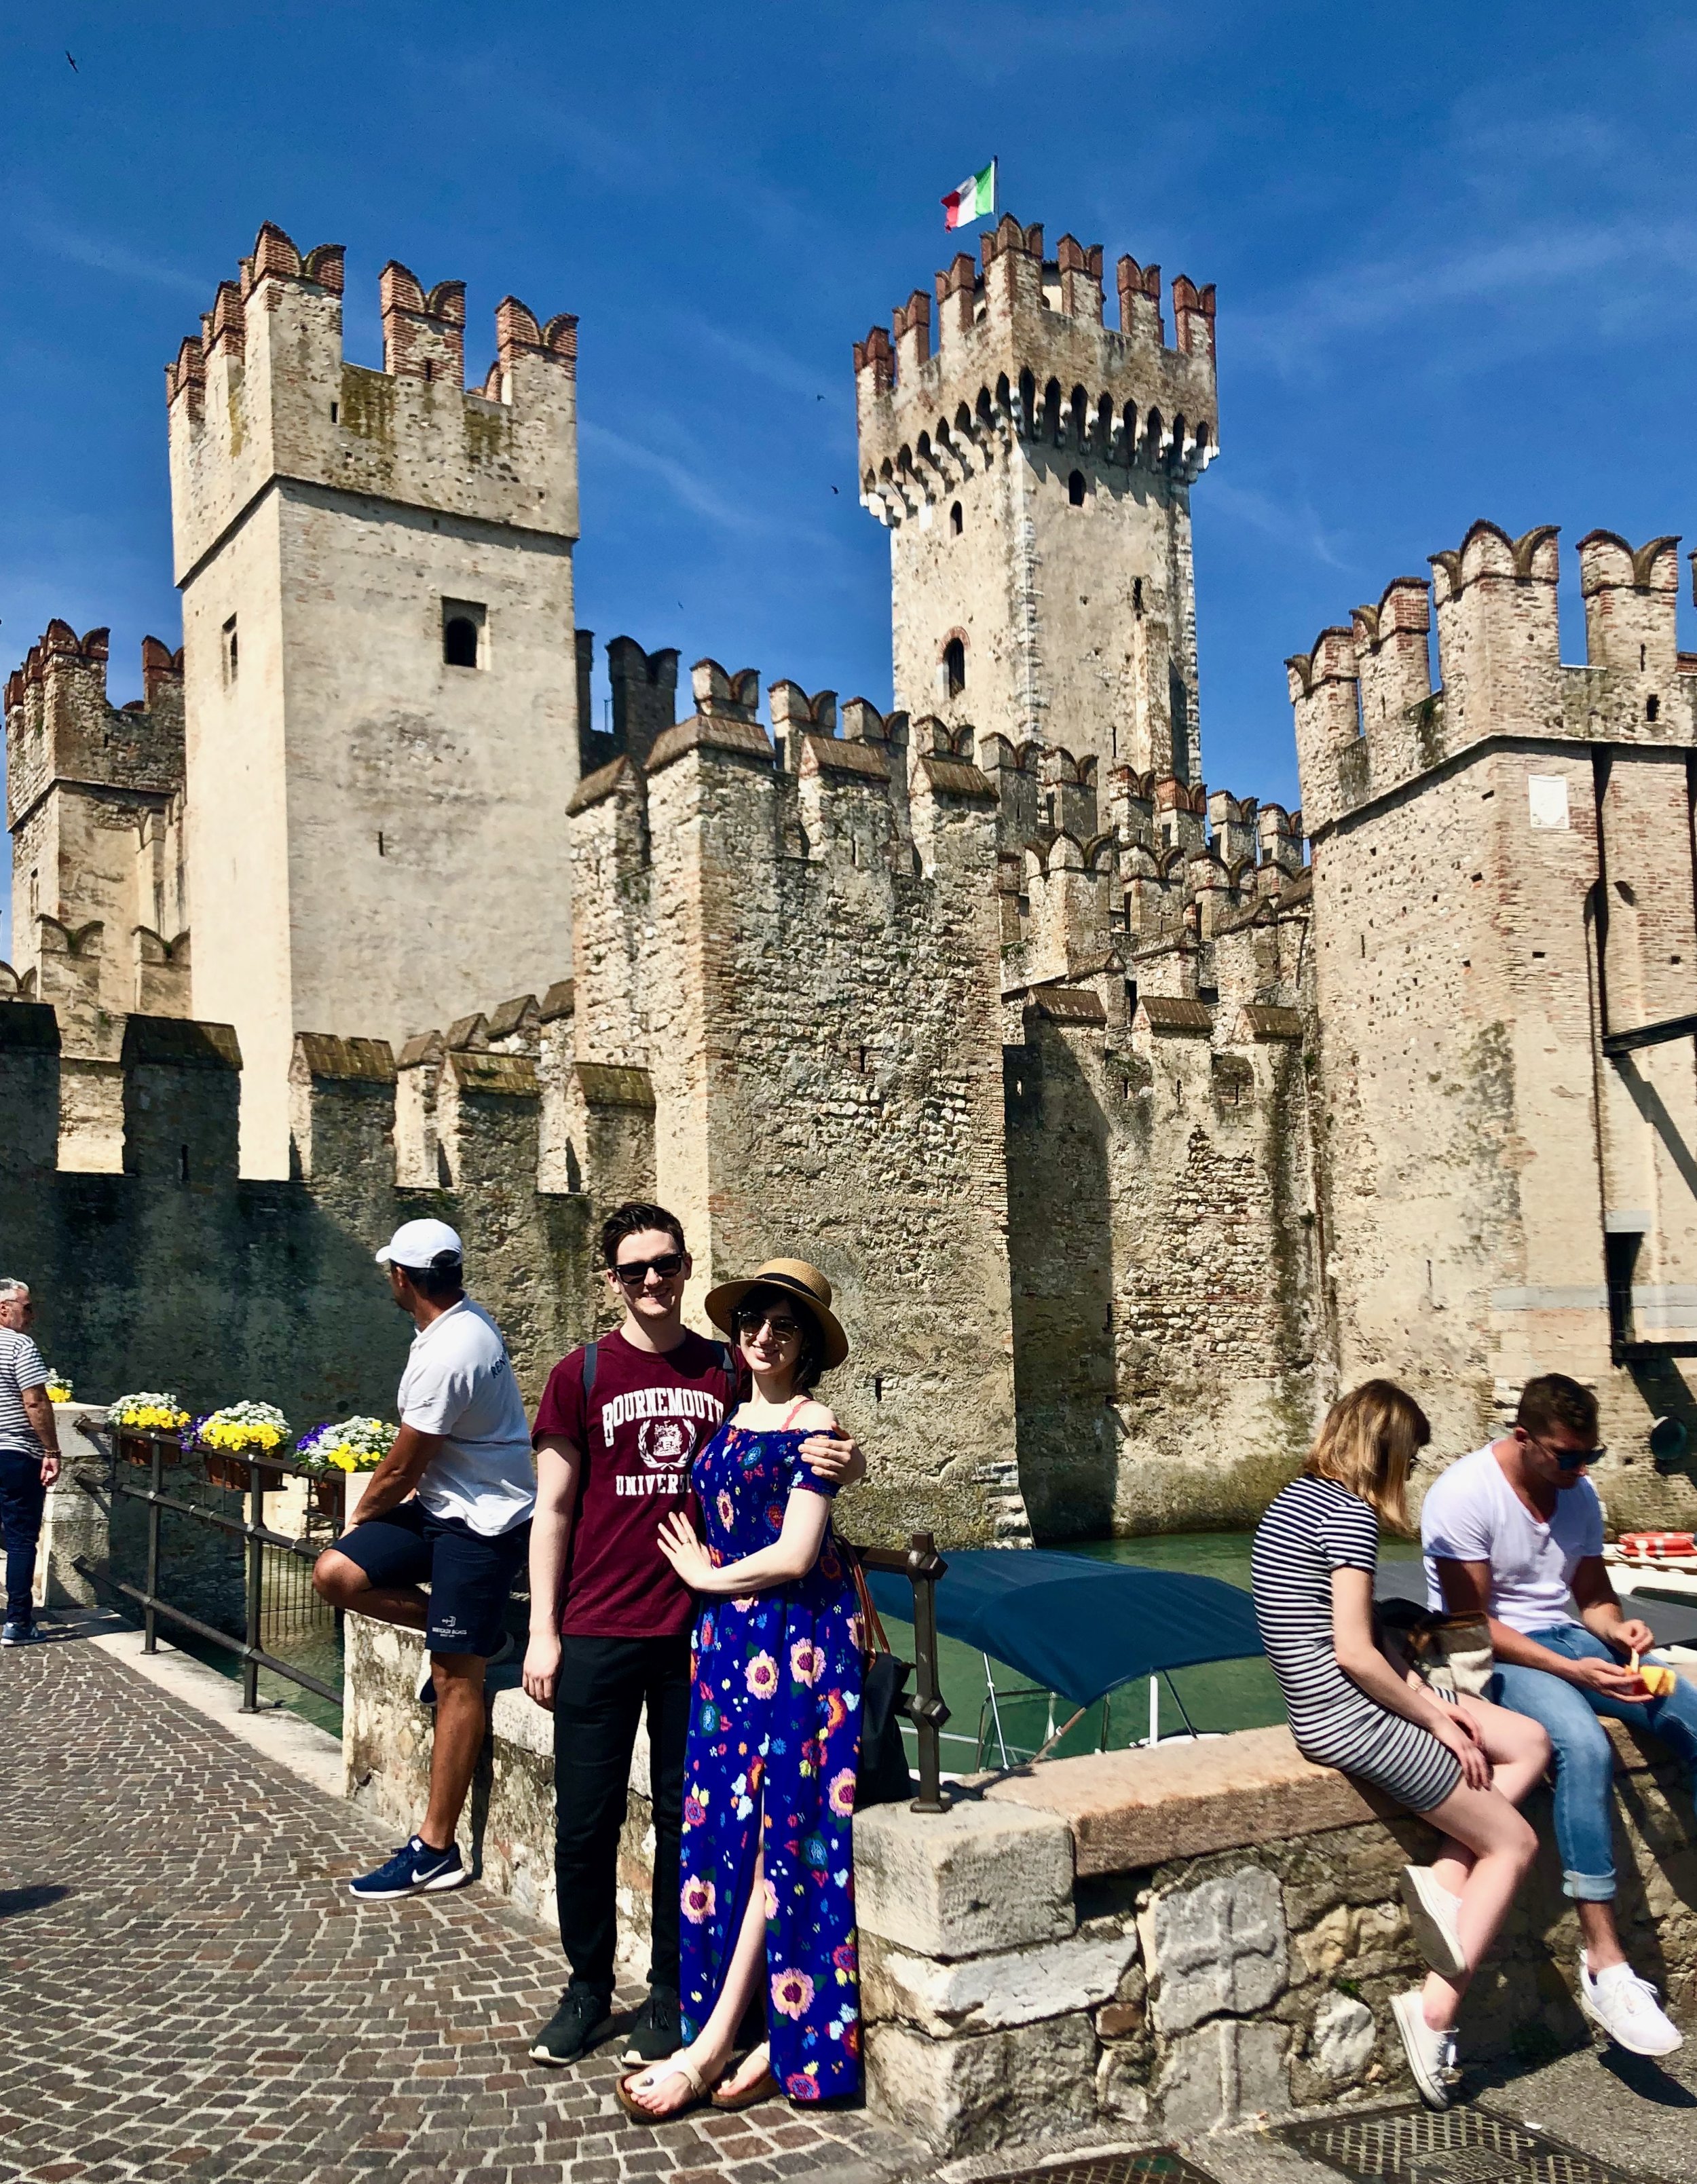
(29, 1456)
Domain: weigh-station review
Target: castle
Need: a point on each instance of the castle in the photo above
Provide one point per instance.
(1129, 1119)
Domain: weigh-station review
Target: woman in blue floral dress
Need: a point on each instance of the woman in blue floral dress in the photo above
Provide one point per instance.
(774, 1733)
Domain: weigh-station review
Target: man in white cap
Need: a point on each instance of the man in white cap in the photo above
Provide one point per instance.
(449, 1506)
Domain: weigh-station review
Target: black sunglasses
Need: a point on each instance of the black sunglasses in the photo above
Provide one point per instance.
(750, 1318)
(631, 1274)
(1569, 1459)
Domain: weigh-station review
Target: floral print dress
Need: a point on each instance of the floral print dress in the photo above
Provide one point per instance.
(774, 1739)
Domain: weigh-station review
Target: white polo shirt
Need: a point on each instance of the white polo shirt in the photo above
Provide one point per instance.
(460, 1383)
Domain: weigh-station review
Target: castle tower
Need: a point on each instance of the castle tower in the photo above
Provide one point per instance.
(94, 803)
(1506, 985)
(1034, 473)
(376, 569)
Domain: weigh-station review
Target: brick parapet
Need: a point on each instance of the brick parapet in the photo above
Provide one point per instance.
(60, 726)
(1369, 720)
(264, 394)
(1023, 350)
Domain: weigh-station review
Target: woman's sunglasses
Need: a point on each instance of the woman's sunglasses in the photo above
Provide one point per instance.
(751, 1323)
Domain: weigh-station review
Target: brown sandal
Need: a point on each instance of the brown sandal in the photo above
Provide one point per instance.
(674, 2066)
(764, 2088)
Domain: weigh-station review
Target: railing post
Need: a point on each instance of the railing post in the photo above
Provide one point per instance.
(928, 1712)
(150, 1628)
(256, 1574)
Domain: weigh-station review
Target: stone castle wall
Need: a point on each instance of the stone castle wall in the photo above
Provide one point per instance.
(180, 1274)
(796, 946)
(370, 821)
(1503, 880)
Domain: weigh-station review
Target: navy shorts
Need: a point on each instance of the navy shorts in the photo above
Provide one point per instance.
(469, 1574)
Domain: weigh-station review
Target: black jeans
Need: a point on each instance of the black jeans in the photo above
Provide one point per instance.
(604, 1686)
(22, 1499)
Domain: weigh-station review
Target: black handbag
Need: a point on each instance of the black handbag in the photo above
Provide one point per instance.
(882, 1777)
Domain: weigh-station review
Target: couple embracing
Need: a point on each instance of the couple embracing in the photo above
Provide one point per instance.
(683, 1564)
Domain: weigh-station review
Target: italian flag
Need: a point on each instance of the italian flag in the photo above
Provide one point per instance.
(975, 197)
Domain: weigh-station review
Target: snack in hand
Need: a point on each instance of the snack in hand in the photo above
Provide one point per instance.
(1657, 1681)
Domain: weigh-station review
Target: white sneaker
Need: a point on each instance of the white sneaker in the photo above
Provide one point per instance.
(1434, 1919)
(1627, 2009)
(1432, 2055)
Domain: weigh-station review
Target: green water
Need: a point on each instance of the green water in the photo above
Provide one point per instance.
(1216, 1696)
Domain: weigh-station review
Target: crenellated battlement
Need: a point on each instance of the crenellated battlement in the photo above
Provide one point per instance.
(61, 725)
(264, 393)
(1368, 716)
(1024, 354)
(1148, 862)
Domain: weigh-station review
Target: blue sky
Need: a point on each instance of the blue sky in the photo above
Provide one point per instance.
(1456, 260)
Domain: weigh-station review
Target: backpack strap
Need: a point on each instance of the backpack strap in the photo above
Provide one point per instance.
(589, 1350)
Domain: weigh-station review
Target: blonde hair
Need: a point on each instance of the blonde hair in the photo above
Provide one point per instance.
(1370, 1439)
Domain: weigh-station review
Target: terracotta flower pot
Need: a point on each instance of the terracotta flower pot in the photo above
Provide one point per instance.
(226, 1471)
(136, 1448)
(327, 1494)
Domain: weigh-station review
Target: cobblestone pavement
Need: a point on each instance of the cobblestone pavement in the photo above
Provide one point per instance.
(188, 1991)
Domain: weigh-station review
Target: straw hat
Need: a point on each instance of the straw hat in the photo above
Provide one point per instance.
(806, 1283)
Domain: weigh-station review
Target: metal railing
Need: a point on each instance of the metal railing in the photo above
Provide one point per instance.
(252, 1529)
(920, 1563)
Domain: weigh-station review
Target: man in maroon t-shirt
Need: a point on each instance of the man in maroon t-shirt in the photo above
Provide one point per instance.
(618, 1425)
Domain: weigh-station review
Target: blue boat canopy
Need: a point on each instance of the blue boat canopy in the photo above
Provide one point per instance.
(1079, 1626)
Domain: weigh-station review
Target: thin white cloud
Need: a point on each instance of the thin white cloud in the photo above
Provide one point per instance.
(1509, 270)
(55, 239)
(689, 486)
(760, 360)
(1289, 523)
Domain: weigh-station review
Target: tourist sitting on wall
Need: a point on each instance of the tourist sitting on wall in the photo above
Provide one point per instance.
(1464, 1766)
(620, 1422)
(1515, 1530)
(448, 1506)
(768, 1894)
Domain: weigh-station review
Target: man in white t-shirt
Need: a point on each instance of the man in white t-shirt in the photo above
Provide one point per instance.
(1516, 1531)
(450, 1507)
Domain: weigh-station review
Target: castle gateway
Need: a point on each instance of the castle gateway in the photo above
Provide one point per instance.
(1124, 1133)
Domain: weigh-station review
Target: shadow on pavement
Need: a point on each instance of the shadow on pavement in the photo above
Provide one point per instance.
(1643, 2075)
(15, 1902)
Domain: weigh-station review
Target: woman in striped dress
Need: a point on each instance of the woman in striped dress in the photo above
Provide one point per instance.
(1463, 1767)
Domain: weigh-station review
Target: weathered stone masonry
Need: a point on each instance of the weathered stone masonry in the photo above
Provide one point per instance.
(1503, 885)
(1127, 1136)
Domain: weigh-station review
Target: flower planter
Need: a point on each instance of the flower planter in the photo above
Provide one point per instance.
(136, 1448)
(226, 1471)
(326, 1493)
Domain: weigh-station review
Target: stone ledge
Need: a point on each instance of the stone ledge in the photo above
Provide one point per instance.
(963, 1882)
(1129, 1810)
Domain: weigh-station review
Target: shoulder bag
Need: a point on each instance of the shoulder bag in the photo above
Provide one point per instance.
(882, 1777)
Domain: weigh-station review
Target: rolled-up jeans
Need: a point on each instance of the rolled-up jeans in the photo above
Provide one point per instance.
(1584, 1756)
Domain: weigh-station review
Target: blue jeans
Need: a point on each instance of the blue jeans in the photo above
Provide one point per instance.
(22, 1499)
(1584, 1756)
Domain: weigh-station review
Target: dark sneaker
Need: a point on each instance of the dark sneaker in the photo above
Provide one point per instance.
(414, 1869)
(21, 1633)
(654, 2033)
(583, 2020)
